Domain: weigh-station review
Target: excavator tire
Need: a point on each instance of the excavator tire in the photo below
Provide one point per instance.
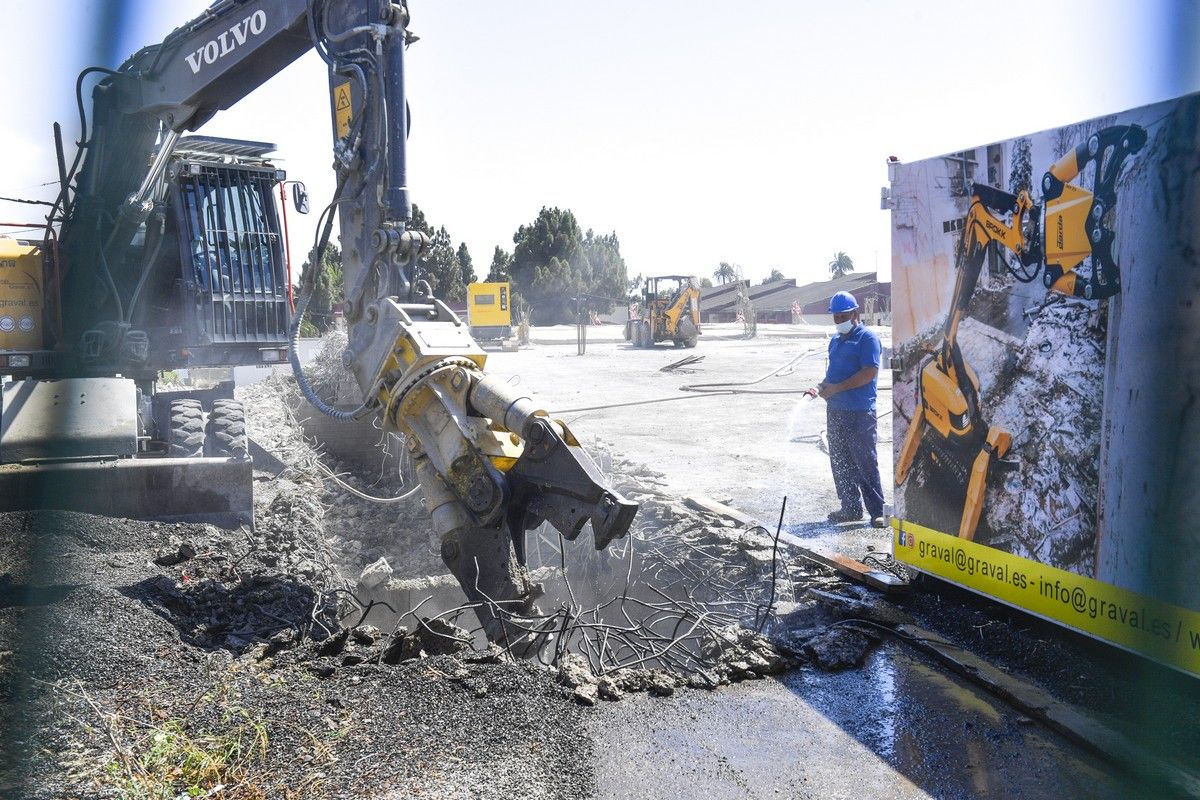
(186, 438)
(227, 430)
(689, 334)
(647, 335)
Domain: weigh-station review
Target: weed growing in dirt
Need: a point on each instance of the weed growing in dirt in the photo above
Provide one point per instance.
(177, 757)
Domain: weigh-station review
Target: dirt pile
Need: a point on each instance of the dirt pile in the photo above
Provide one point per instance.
(123, 674)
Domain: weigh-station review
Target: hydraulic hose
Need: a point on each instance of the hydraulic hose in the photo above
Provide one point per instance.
(696, 391)
(341, 415)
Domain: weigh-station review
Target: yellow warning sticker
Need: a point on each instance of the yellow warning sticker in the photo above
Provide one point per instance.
(1164, 632)
(341, 108)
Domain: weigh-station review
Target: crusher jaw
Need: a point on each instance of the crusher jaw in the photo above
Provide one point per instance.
(492, 465)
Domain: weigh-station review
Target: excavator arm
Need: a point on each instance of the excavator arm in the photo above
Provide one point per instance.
(491, 464)
(947, 388)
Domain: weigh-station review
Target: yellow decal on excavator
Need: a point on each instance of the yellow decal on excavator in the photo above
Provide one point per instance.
(1067, 242)
(342, 109)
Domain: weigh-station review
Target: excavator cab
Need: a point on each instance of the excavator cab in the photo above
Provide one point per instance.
(669, 311)
(202, 283)
(211, 283)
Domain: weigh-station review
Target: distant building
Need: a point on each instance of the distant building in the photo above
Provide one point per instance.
(783, 301)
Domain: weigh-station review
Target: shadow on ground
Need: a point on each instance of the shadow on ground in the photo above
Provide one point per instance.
(235, 617)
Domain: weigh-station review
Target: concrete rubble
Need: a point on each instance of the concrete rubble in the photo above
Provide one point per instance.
(388, 551)
(283, 612)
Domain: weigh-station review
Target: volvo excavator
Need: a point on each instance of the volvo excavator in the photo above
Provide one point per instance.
(1053, 238)
(163, 251)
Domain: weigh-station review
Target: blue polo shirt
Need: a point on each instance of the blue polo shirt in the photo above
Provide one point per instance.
(847, 355)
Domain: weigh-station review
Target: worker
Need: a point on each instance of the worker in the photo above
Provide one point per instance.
(849, 390)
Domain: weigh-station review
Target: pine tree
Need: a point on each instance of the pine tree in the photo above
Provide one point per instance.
(549, 265)
(1020, 176)
(465, 264)
(500, 270)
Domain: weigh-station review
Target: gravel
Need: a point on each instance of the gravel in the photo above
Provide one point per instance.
(103, 644)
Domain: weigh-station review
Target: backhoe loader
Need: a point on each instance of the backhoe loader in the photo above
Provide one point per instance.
(669, 312)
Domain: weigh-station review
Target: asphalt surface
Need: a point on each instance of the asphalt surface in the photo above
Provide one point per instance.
(896, 728)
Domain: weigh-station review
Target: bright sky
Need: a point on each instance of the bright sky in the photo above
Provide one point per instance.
(699, 131)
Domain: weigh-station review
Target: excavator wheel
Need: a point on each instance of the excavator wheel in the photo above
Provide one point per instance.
(186, 439)
(227, 430)
(689, 334)
(647, 335)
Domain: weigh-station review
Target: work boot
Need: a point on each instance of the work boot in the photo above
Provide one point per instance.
(845, 515)
(878, 522)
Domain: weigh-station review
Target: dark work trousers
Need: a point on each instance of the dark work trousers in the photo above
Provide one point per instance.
(852, 443)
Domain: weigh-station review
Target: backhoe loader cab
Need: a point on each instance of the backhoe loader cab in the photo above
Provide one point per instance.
(669, 311)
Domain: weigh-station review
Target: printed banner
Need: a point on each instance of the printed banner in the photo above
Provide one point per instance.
(1160, 630)
(1046, 325)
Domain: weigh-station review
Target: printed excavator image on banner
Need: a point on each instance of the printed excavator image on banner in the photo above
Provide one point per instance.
(1021, 332)
(1046, 333)
(949, 428)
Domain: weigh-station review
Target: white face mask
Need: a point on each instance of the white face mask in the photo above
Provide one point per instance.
(844, 327)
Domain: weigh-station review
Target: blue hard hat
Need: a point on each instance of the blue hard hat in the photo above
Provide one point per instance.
(842, 302)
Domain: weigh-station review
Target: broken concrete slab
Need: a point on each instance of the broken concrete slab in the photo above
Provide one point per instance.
(838, 648)
(375, 573)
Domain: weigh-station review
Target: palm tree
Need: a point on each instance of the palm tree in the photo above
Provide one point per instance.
(841, 265)
(725, 273)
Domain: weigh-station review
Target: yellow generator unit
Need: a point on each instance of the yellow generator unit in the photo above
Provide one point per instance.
(489, 311)
(20, 295)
